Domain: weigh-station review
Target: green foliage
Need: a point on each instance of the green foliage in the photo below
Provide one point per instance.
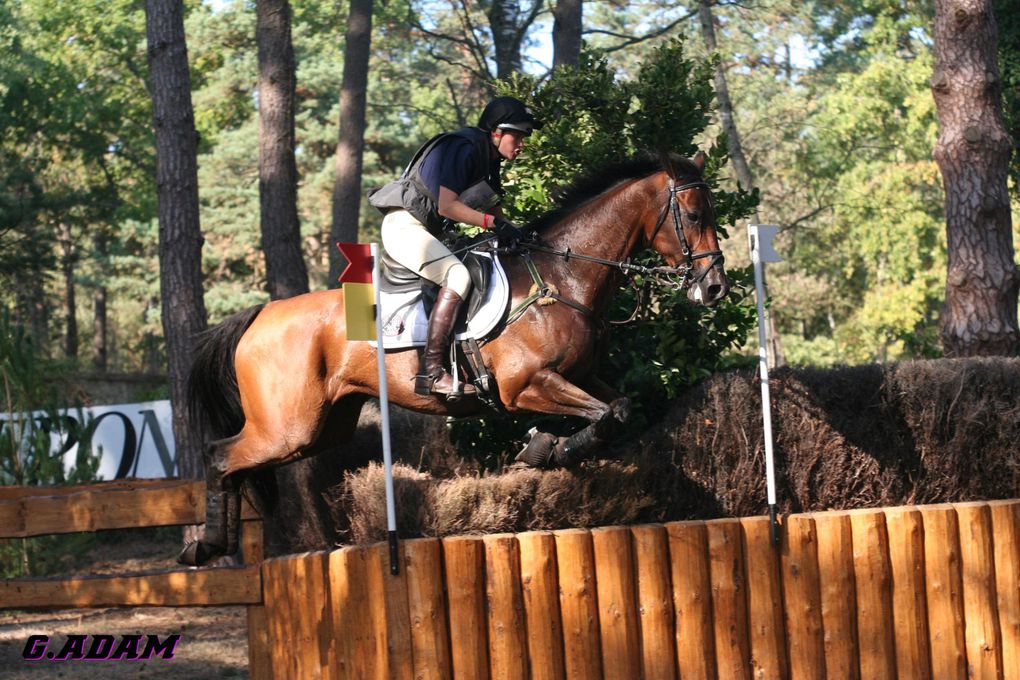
(75, 144)
(593, 118)
(30, 425)
(831, 98)
(32, 420)
(879, 249)
(674, 344)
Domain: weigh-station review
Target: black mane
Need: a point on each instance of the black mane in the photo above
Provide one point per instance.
(585, 187)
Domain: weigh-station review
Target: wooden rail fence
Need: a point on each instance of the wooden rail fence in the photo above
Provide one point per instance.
(40, 511)
(913, 592)
(927, 592)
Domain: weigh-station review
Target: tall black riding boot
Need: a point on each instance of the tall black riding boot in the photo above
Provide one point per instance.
(432, 377)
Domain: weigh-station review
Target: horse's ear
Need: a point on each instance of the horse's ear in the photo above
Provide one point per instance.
(699, 160)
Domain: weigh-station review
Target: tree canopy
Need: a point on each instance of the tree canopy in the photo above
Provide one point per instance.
(832, 100)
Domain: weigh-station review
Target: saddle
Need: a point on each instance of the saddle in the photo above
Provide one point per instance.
(398, 279)
(407, 299)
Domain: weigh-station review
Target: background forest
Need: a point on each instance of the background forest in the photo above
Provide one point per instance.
(832, 100)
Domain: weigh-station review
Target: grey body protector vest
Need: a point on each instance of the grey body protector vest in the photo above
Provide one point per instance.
(410, 193)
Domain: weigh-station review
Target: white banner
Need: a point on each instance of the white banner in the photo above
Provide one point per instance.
(132, 440)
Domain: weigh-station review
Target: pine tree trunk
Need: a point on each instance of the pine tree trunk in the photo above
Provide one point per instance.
(722, 96)
(505, 23)
(31, 308)
(281, 230)
(567, 22)
(180, 236)
(351, 144)
(99, 320)
(70, 304)
(99, 329)
(745, 178)
(972, 152)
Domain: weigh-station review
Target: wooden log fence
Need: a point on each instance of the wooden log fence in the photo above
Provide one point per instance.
(927, 592)
(913, 592)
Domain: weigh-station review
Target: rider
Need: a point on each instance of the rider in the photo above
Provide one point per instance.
(454, 177)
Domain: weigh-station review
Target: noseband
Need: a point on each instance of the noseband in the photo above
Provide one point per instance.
(672, 207)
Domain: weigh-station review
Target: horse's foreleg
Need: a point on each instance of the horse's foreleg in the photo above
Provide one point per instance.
(600, 390)
(550, 392)
(581, 445)
(222, 511)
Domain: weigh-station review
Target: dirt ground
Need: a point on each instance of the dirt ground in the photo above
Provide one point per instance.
(214, 642)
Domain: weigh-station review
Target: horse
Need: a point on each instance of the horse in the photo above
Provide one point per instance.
(281, 381)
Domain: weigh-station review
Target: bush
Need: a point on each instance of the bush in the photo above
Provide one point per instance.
(592, 119)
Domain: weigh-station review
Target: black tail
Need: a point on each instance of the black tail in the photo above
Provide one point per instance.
(214, 402)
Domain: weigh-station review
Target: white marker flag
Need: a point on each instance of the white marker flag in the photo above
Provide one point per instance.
(759, 238)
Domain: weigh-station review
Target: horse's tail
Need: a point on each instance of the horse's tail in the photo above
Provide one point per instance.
(214, 402)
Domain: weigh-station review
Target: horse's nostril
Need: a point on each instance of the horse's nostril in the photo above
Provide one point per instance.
(715, 291)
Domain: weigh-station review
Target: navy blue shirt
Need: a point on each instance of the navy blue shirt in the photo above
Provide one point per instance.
(449, 164)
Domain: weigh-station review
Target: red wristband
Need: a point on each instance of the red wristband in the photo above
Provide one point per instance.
(487, 221)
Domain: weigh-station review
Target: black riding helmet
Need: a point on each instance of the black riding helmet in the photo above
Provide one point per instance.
(508, 113)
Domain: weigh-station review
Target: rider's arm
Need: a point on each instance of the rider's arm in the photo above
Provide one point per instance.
(451, 207)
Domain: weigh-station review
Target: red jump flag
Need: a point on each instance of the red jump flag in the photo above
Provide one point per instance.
(359, 293)
(359, 262)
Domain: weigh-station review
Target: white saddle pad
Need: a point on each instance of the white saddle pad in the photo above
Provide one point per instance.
(405, 323)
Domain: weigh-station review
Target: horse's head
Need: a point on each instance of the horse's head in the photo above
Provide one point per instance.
(684, 232)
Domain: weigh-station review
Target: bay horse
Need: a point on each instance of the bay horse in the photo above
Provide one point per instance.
(280, 381)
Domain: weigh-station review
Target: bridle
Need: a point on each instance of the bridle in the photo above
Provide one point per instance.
(672, 207)
(677, 277)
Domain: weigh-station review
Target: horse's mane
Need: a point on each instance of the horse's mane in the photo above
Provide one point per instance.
(589, 185)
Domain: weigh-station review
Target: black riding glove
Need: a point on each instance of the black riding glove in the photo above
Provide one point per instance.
(509, 233)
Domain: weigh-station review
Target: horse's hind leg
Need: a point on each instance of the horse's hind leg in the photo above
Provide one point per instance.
(222, 510)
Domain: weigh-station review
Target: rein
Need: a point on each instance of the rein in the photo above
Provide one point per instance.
(662, 275)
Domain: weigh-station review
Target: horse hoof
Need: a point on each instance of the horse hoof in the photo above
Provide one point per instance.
(538, 448)
(189, 556)
(197, 553)
(621, 409)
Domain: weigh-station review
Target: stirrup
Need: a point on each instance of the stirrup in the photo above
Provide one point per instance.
(425, 383)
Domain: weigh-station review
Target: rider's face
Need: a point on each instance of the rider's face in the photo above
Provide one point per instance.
(508, 142)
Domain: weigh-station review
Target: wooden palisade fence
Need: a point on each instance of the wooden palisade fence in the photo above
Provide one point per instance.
(911, 592)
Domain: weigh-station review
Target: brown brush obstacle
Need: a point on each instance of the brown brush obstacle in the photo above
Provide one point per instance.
(910, 592)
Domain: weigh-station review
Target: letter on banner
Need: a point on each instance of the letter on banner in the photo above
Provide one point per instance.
(359, 295)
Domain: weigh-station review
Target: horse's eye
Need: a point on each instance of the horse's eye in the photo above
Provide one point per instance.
(694, 216)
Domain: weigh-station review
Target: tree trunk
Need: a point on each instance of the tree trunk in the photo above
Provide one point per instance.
(722, 96)
(281, 230)
(70, 304)
(507, 30)
(99, 329)
(567, 22)
(99, 319)
(972, 152)
(31, 308)
(180, 236)
(745, 178)
(351, 143)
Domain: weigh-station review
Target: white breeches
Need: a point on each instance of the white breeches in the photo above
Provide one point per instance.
(408, 242)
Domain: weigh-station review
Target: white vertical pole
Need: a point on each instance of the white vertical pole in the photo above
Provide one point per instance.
(754, 241)
(384, 411)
